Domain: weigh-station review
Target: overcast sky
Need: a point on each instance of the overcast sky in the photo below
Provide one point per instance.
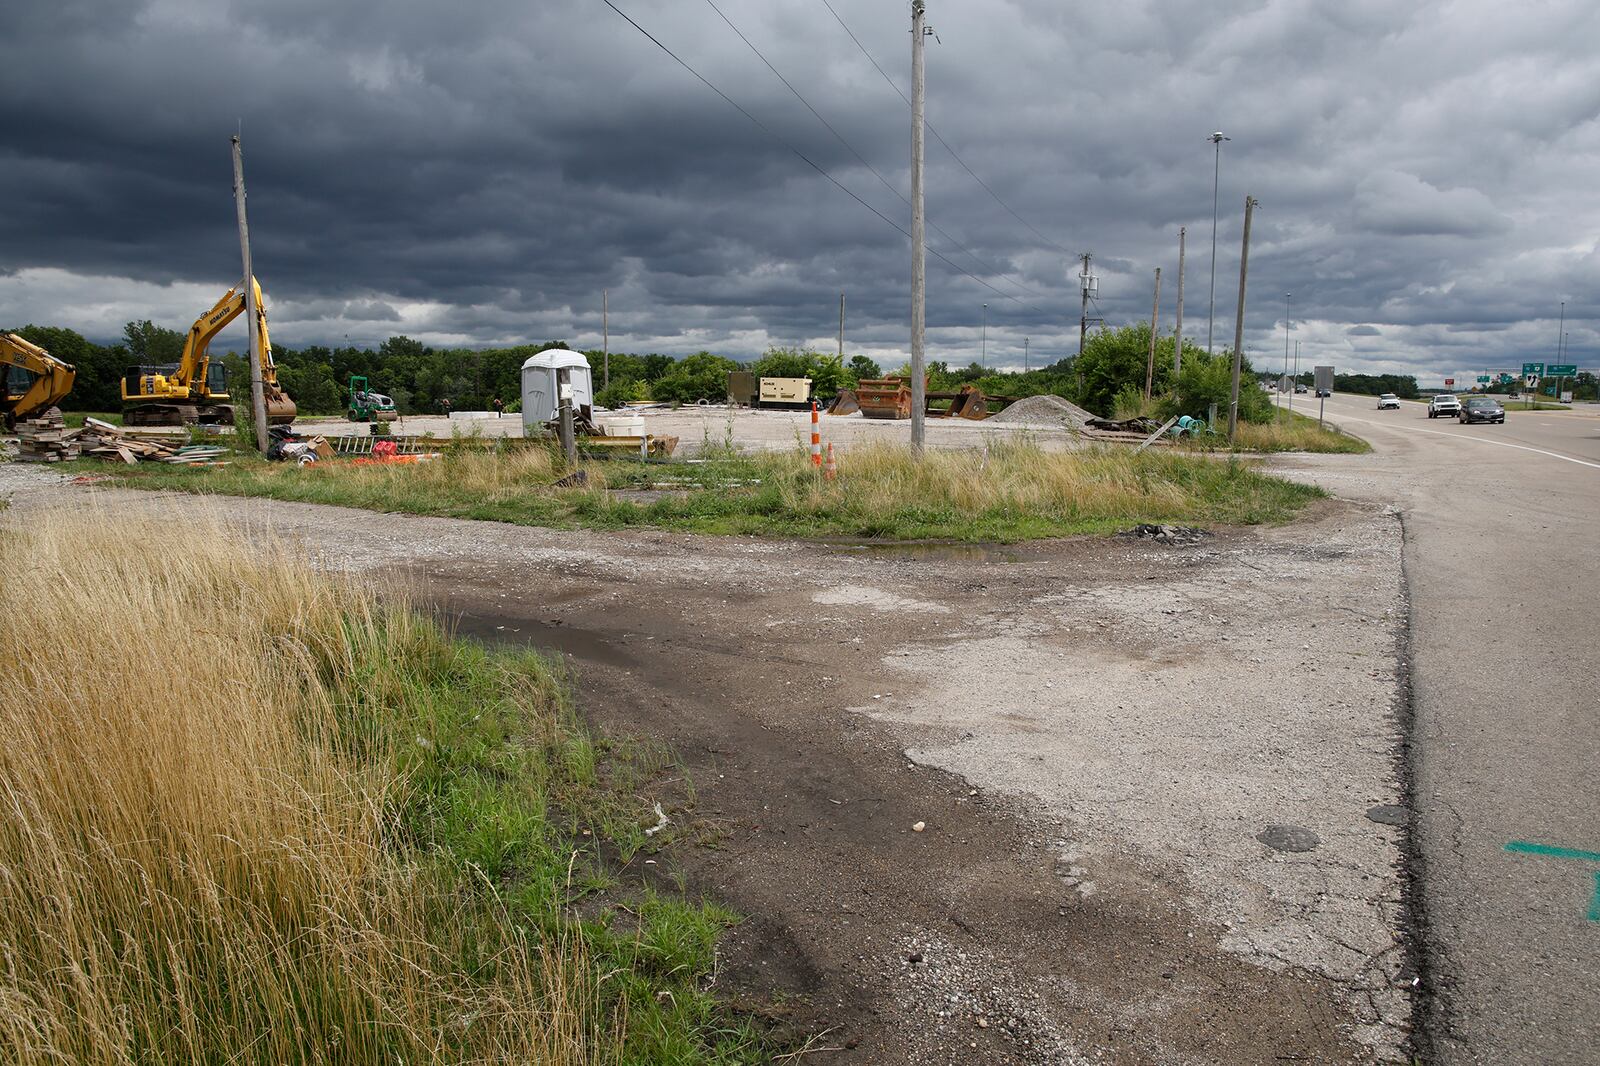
(478, 173)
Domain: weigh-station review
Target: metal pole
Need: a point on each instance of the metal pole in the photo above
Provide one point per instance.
(1286, 305)
(258, 399)
(1238, 325)
(605, 326)
(1025, 342)
(919, 384)
(985, 336)
(841, 329)
(1216, 172)
(1150, 361)
(1083, 322)
(1177, 330)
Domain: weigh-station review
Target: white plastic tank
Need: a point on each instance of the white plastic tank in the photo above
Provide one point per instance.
(540, 403)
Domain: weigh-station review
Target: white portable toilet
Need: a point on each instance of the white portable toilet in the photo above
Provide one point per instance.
(540, 401)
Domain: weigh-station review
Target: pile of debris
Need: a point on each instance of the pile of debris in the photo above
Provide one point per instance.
(46, 439)
(1045, 410)
(132, 444)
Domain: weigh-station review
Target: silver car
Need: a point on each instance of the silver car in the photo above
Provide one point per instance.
(1444, 404)
(1388, 399)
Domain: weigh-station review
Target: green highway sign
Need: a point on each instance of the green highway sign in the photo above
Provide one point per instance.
(1529, 369)
(1483, 379)
(1562, 370)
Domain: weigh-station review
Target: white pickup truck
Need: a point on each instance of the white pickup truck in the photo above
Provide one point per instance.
(1444, 404)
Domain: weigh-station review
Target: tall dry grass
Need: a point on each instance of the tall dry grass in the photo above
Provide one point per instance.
(193, 859)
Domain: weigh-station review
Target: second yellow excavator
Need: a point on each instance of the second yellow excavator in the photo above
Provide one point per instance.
(31, 379)
(196, 389)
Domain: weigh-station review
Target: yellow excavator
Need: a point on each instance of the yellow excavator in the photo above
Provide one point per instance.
(196, 389)
(31, 379)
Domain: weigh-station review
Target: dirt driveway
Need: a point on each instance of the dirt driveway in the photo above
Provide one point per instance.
(1155, 782)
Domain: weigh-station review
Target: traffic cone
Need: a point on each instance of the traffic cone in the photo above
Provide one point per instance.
(831, 470)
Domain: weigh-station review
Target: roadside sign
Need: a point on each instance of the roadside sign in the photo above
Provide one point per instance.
(1531, 381)
(1530, 370)
(1449, 382)
(1561, 370)
(1324, 378)
(1505, 379)
(1483, 379)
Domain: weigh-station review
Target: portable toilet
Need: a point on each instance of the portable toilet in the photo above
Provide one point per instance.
(540, 400)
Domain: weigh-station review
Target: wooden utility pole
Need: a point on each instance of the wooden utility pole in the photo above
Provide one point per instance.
(841, 329)
(1025, 342)
(605, 332)
(1238, 323)
(258, 399)
(919, 310)
(1177, 330)
(569, 440)
(1150, 363)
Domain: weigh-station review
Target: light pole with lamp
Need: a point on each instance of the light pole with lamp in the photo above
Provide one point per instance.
(1216, 172)
(1286, 305)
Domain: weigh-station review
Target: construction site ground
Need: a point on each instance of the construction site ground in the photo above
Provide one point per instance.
(746, 428)
(1093, 800)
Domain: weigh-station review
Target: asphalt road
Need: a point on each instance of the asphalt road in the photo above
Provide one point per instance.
(1503, 560)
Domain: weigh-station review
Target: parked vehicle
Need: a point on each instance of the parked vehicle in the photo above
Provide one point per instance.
(1481, 409)
(1388, 399)
(1444, 404)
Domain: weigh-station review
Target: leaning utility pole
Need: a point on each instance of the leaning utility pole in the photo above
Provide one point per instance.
(1150, 363)
(605, 331)
(919, 310)
(258, 399)
(1177, 330)
(1238, 325)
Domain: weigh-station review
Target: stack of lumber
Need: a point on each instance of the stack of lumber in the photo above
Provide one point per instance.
(131, 444)
(46, 439)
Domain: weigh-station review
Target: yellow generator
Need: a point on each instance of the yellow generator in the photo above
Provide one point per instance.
(785, 392)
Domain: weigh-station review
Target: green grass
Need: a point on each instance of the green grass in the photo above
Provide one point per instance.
(75, 419)
(1008, 492)
(1289, 431)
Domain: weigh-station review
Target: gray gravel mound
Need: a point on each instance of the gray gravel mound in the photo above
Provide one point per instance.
(1045, 411)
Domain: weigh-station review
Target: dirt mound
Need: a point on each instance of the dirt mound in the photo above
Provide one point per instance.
(1045, 411)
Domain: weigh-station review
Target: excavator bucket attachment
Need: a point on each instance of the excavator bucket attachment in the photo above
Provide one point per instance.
(970, 403)
(845, 403)
(280, 409)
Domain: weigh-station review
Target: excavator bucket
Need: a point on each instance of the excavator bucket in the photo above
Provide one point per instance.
(845, 403)
(280, 409)
(970, 403)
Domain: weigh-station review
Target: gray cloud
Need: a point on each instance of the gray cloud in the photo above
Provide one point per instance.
(480, 173)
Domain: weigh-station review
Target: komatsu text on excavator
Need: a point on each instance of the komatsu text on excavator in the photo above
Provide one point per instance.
(31, 379)
(196, 390)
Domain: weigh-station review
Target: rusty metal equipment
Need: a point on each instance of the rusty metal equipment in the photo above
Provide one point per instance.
(845, 403)
(742, 388)
(884, 397)
(969, 403)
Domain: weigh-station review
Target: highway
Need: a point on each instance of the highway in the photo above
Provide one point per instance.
(1502, 560)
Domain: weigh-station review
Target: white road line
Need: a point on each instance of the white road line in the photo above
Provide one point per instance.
(1479, 440)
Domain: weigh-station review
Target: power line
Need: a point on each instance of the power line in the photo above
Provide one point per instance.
(808, 161)
(937, 136)
(862, 159)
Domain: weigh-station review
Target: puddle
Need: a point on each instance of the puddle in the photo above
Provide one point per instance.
(586, 644)
(934, 550)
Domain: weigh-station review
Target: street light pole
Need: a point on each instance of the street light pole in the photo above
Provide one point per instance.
(985, 336)
(1286, 305)
(1216, 172)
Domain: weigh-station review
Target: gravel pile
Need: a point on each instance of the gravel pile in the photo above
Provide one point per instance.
(1045, 411)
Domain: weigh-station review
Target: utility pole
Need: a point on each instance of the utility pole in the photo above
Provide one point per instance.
(1150, 363)
(1216, 172)
(1087, 286)
(1177, 330)
(841, 329)
(985, 355)
(258, 400)
(1238, 325)
(1025, 342)
(919, 310)
(1286, 316)
(605, 327)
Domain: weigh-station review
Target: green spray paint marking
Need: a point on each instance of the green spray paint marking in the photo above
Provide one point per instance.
(1549, 851)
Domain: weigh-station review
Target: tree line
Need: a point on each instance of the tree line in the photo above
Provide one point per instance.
(1108, 378)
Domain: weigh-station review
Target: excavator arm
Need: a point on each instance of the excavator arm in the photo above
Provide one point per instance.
(191, 384)
(46, 383)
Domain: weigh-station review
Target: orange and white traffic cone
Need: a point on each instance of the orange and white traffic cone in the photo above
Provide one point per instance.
(830, 470)
(816, 437)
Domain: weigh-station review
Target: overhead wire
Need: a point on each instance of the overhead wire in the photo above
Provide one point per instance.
(937, 136)
(810, 163)
(862, 159)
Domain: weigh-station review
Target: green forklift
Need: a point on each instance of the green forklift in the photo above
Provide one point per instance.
(368, 406)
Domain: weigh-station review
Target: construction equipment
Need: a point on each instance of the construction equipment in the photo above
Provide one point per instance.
(884, 397)
(368, 406)
(195, 389)
(32, 381)
(785, 392)
(969, 403)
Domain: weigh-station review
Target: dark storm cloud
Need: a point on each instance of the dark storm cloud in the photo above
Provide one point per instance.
(479, 173)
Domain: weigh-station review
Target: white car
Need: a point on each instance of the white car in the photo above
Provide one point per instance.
(1444, 405)
(1388, 399)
